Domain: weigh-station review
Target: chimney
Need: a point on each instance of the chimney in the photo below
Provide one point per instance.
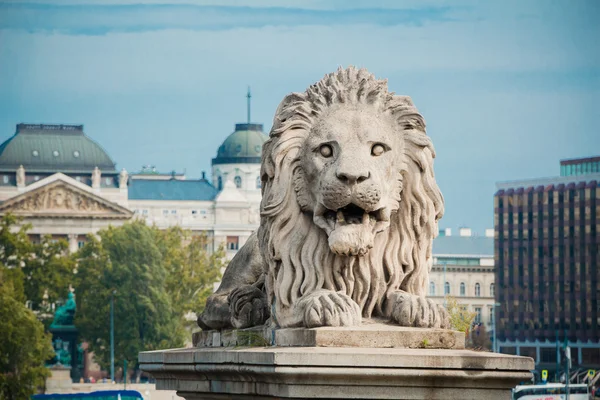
(489, 233)
(465, 232)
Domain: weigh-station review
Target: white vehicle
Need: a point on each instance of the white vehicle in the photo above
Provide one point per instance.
(551, 391)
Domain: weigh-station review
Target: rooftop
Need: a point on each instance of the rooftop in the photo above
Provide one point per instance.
(172, 189)
(244, 145)
(464, 246)
(53, 148)
(557, 180)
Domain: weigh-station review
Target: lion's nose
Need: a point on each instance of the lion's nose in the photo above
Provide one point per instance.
(352, 177)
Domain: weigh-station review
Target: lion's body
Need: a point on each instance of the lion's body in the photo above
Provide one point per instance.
(317, 271)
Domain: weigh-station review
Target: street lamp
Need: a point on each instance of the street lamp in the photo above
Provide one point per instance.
(112, 336)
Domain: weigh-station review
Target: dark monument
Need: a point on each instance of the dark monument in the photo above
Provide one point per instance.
(64, 339)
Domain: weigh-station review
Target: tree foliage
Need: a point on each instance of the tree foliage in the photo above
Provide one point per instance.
(125, 265)
(191, 269)
(39, 268)
(460, 316)
(24, 346)
(154, 277)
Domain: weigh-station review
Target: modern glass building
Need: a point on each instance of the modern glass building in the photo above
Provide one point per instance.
(547, 253)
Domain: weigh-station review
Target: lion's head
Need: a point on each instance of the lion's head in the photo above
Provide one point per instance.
(349, 196)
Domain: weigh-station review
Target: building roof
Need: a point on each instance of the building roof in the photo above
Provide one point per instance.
(463, 246)
(244, 145)
(53, 148)
(576, 161)
(173, 189)
(557, 180)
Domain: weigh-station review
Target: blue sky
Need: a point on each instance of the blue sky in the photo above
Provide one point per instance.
(508, 88)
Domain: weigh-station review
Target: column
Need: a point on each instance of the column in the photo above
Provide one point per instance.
(73, 244)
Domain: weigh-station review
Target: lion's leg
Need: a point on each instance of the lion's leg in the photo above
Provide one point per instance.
(407, 309)
(320, 308)
(240, 301)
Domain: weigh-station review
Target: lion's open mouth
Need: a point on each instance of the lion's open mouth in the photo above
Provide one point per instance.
(351, 214)
(351, 229)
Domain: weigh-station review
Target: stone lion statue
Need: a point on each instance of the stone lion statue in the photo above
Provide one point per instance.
(348, 215)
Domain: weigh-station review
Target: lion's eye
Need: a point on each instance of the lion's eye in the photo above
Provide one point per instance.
(326, 151)
(377, 150)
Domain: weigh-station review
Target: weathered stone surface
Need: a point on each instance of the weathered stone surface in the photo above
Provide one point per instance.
(335, 373)
(349, 210)
(373, 335)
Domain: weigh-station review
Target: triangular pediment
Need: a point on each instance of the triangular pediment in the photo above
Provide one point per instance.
(62, 199)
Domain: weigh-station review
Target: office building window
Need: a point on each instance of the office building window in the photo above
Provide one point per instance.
(477, 290)
(431, 288)
(447, 288)
(165, 212)
(233, 242)
(5, 179)
(462, 289)
(492, 290)
(173, 212)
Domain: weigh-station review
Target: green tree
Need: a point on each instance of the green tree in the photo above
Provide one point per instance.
(127, 264)
(50, 270)
(460, 316)
(24, 346)
(37, 268)
(191, 270)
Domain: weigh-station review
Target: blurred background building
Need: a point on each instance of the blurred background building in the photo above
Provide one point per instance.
(463, 267)
(64, 184)
(547, 254)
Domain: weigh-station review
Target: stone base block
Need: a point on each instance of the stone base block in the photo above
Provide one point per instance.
(372, 334)
(335, 373)
(59, 380)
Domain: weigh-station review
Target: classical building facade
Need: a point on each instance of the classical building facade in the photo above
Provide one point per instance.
(547, 255)
(65, 185)
(463, 267)
(61, 182)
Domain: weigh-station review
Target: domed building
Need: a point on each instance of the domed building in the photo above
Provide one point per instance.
(236, 176)
(64, 184)
(61, 182)
(238, 160)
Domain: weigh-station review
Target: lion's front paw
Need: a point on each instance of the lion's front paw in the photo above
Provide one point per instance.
(327, 308)
(411, 310)
(248, 307)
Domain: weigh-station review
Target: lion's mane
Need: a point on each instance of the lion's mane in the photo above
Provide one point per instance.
(296, 250)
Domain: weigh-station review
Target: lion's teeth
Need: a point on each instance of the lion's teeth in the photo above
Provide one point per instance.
(366, 218)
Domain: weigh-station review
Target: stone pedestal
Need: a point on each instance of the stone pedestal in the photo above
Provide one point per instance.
(397, 363)
(59, 381)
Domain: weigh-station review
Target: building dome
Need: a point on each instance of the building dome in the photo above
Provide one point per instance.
(243, 146)
(53, 148)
